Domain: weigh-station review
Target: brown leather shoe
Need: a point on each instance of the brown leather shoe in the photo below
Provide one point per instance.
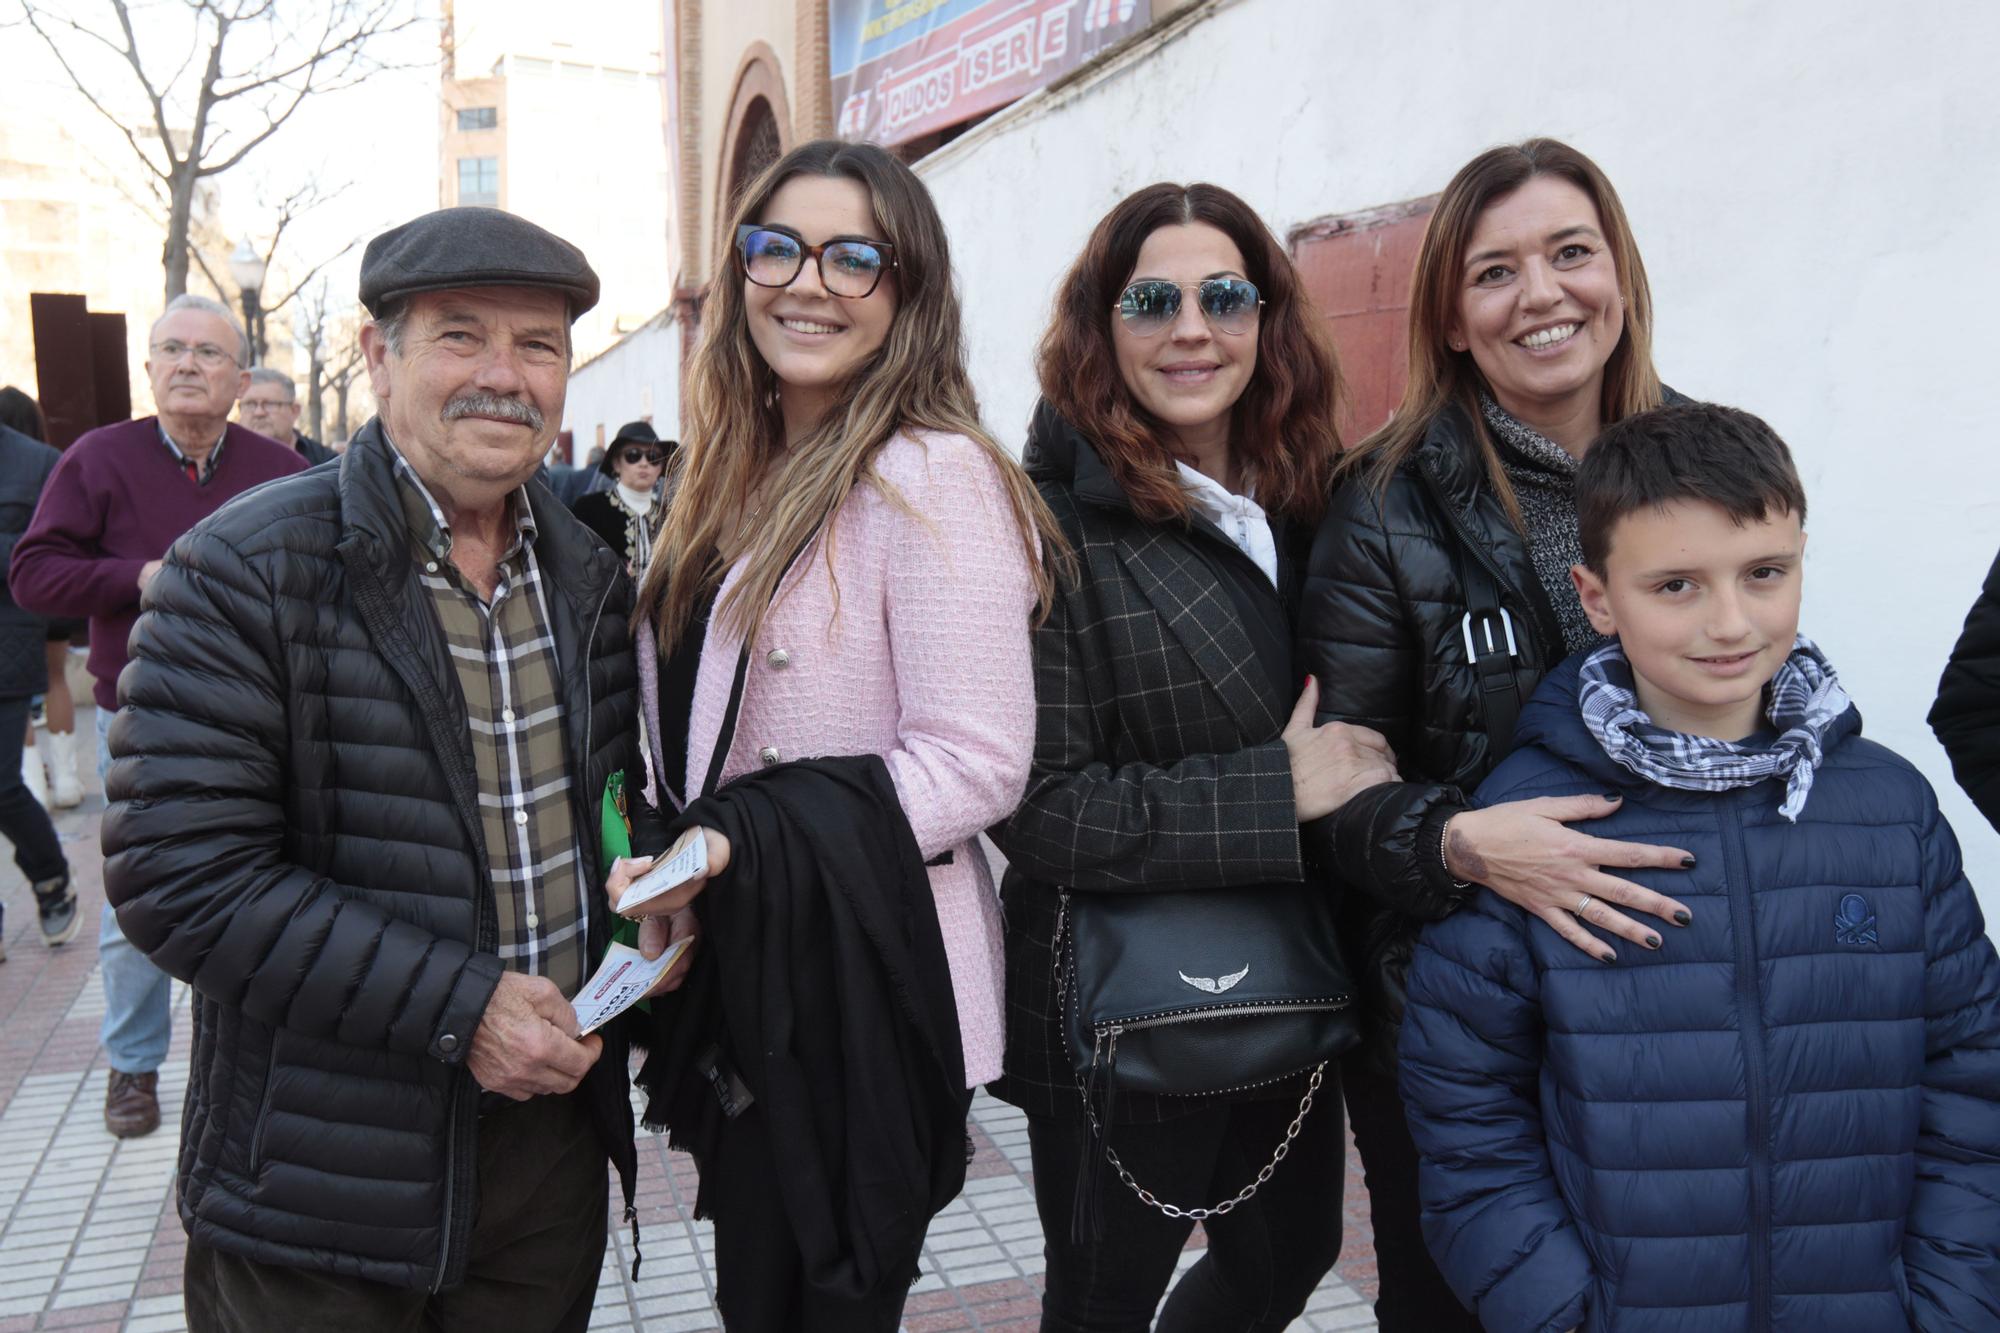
(132, 1104)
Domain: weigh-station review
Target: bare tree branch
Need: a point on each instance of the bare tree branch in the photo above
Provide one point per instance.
(345, 46)
(33, 18)
(153, 95)
(201, 262)
(310, 274)
(247, 68)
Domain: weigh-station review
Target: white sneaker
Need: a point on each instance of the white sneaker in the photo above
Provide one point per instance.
(31, 775)
(64, 785)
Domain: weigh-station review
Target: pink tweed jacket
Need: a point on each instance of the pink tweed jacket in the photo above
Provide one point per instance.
(926, 663)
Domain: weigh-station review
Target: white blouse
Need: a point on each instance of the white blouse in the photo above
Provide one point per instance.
(1241, 518)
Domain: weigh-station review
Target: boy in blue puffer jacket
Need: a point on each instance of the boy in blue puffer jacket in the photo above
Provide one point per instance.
(1785, 1115)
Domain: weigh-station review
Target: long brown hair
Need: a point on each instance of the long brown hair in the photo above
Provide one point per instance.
(733, 432)
(1282, 428)
(1441, 377)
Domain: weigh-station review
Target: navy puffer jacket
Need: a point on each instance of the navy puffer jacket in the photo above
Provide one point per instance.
(1786, 1118)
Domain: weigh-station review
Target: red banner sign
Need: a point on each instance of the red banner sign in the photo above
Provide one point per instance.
(904, 68)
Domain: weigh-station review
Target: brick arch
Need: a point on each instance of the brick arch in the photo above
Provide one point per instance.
(758, 106)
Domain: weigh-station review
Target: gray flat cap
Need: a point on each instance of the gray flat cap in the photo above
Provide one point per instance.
(472, 247)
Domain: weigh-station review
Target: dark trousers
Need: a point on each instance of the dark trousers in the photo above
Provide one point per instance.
(537, 1247)
(1414, 1297)
(1264, 1258)
(760, 1279)
(22, 818)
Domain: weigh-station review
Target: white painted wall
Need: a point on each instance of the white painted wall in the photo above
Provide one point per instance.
(640, 376)
(1811, 183)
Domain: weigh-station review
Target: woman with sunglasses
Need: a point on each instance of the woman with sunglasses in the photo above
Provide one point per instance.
(1185, 442)
(1439, 593)
(840, 511)
(628, 515)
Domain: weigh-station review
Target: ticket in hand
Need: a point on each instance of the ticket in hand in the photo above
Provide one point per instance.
(621, 981)
(687, 859)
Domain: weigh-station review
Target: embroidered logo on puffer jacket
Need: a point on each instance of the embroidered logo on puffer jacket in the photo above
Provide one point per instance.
(1854, 923)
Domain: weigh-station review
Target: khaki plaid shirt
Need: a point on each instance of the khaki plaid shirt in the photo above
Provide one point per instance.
(504, 656)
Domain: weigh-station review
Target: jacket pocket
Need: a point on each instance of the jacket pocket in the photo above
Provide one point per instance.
(264, 1110)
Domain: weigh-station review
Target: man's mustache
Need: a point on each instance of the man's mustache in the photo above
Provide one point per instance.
(492, 405)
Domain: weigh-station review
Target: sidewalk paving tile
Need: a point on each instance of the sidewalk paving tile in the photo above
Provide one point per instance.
(90, 1238)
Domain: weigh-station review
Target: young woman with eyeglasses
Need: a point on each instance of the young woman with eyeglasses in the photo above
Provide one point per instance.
(839, 506)
(1185, 442)
(628, 515)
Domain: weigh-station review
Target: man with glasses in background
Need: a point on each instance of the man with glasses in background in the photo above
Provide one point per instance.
(121, 496)
(270, 406)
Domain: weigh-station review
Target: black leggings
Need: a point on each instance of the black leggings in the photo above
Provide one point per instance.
(1264, 1259)
(1414, 1297)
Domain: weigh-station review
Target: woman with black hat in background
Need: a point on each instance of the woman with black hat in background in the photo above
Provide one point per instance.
(627, 516)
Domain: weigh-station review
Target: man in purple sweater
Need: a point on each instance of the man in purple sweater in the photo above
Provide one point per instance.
(118, 499)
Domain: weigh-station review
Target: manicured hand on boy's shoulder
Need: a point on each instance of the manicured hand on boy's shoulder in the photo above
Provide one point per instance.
(1526, 852)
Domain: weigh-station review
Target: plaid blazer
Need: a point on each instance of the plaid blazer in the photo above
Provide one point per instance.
(1158, 762)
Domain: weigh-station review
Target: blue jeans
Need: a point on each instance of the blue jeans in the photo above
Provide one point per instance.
(138, 1014)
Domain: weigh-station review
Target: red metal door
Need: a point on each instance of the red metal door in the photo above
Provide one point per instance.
(1357, 267)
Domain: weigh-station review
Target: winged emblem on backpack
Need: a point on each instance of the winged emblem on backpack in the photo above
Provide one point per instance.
(1215, 985)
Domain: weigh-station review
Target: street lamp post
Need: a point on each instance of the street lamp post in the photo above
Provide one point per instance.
(247, 267)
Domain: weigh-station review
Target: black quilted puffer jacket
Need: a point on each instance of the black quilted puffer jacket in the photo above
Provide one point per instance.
(295, 832)
(1382, 624)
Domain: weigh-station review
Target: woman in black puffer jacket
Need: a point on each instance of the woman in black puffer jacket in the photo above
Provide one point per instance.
(1438, 594)
(1966, 716)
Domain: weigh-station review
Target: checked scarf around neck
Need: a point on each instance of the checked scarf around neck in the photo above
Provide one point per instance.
(1805, 700)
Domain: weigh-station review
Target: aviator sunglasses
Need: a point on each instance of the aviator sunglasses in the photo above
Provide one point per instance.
(1151, 305)
(640, 454)
(848, 266)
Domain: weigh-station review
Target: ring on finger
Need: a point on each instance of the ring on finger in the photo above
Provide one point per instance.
(1584, 904)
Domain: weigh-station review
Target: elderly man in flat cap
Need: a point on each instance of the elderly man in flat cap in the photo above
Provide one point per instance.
(371, 719)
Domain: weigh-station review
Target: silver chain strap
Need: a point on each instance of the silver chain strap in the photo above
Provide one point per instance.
(1241, 1196)
(1145, 1195)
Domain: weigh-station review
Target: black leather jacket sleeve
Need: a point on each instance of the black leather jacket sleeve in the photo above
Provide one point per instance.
(194, 839)
(1966, 716)
(1355, 637)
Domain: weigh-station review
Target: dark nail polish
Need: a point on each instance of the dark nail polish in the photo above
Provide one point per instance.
(1607, 958)
(1687, 863)
(1652, 941)
(1683, 919)
(1614, 797)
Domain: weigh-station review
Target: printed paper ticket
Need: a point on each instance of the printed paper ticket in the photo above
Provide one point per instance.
(621, 981)
(687, 859)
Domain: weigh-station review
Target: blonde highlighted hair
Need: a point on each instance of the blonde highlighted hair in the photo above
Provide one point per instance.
(733, 434)
(1441, 377)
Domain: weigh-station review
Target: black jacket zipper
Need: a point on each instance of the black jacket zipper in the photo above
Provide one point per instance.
(372, 600)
